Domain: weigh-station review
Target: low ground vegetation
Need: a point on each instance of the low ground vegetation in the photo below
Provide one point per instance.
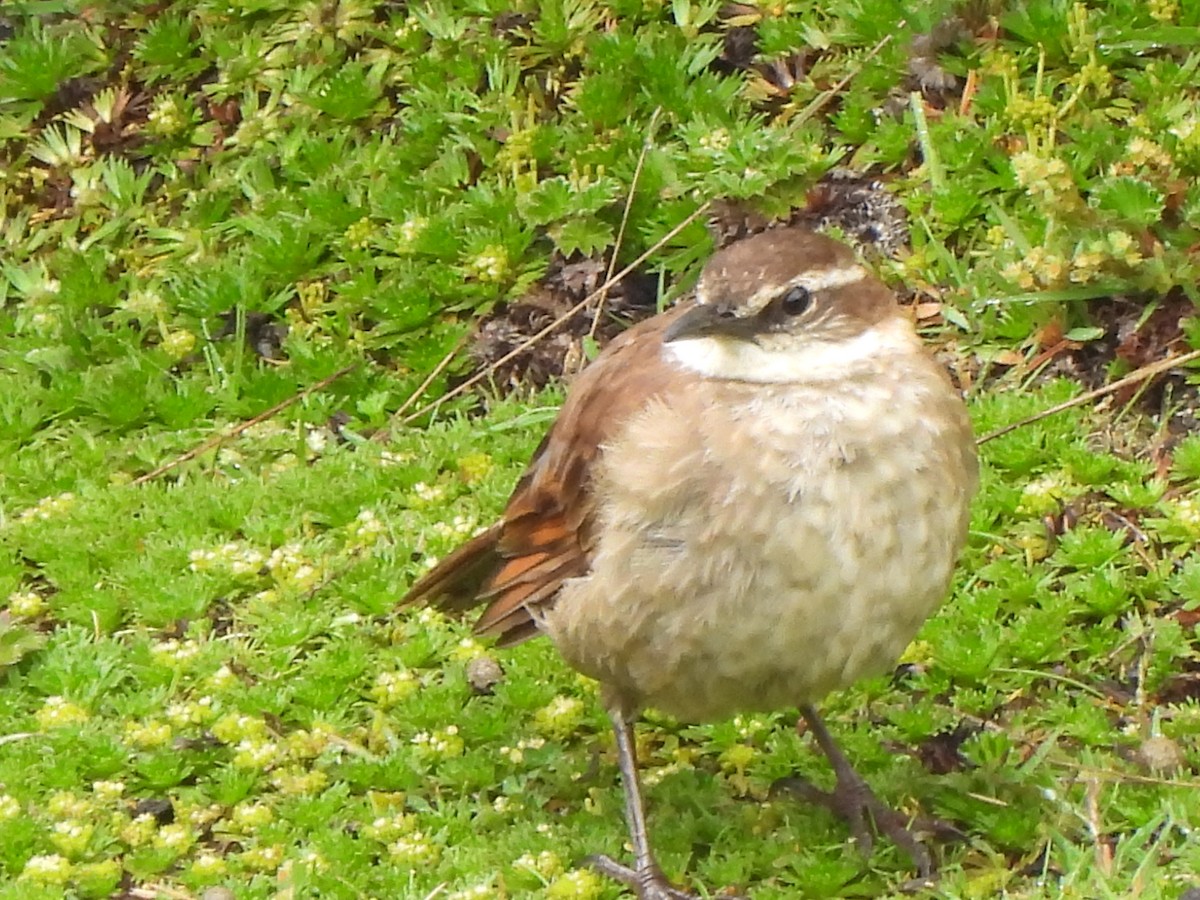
(208, 207)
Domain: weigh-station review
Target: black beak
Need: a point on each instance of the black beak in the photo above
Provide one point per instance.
(706, 319)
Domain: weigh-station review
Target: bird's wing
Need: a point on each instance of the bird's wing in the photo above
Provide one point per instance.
(545, 535)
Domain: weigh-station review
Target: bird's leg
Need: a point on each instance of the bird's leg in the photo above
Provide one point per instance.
(646, 878)
(854, 801)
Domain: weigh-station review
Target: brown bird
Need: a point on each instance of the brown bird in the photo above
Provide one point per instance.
(744, 503)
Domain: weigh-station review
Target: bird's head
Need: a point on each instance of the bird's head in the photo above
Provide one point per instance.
(783, 306)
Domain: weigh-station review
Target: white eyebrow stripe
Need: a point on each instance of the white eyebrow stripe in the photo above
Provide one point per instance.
(820, 280)
(824, 279)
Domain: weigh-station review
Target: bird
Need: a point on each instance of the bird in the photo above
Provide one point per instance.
(744, 503)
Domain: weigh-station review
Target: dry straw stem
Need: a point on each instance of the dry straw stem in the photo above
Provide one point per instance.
(821, 99)
(382, 433)
(1134, 377)
(633, 183)
(233, 432)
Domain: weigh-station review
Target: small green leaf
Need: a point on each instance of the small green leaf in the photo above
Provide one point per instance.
(17, 640)
(584, 235)
(1085, 333)
(1132, 199)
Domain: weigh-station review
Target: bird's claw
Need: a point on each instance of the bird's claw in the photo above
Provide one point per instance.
(855, 803)
(649, 883)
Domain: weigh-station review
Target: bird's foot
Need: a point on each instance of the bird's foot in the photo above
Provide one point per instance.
(649, 883)
(855, 803)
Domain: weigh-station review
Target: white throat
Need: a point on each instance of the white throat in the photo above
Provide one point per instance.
(741, 360)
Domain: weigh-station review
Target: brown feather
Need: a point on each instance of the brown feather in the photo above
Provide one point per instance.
(545, 534)
(457, 579)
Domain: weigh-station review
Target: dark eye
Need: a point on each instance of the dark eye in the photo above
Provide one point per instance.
(795, 301)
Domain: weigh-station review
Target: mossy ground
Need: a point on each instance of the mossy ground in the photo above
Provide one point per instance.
(206, 207)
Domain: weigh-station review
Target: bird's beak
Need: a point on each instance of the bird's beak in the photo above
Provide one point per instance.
(705, 319)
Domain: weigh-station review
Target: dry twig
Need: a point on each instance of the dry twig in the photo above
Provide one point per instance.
(1149, 371)
(233, 432)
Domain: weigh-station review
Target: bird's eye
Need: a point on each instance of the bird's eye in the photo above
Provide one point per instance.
(795, 301)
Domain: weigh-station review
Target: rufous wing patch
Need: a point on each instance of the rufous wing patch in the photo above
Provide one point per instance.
(546, 533)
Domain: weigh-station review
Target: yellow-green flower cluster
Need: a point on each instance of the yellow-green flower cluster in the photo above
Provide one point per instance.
(175, 654)
(392, 458)
(490, 264)
(207, 867)
(66, 805)
(297, 782)
(139, 831)
(388, 828)
(476, 892)
(366, 530)
(429, 618)
(576, 884)
(168, 116)
(223, 679)
(715, 142)
(266, 858)
(1046, 494)
(178, 343)
(233, 727)
(257, 753)
(467, 649)
(200, 711)
(291, 569)
(1047, 179)
(507, 806)
(457, 528)
(249, 816)
(235, 558)
(48, 508)
(10, 807)
(1187, 132)
(25, 604)
(309, 744)
(750, 727)
(1143, 153)
(1039, 268)
(414, 850)
(148, 735)
(1186, 512)
(358, 234)
(427, 494)
(560, 718)
(59, 712)
(474, 467)
(200, 817)
(393, 688)
(681, 759)
(108, 791)
(443, 743)
(516, 755)
(1163, 10)
(408, 232)
(546, 865)
(49, 869)
(1029, 110)
(71, 837)
(176, 838)
(737, 758)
